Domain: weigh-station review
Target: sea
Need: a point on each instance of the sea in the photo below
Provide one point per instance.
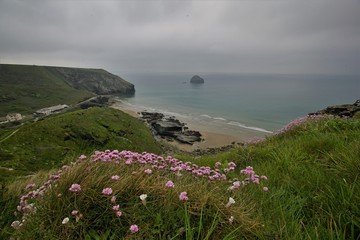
(239, 104)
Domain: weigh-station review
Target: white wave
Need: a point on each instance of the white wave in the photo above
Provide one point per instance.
(248, 127)
(215, 118)
(219, 118)
(174, 114)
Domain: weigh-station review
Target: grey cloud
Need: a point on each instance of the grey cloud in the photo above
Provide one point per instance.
(158, 35)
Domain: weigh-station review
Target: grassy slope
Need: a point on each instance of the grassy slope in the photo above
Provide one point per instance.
(25, 88)
(57, 139)
(314, 180)
(313, 177)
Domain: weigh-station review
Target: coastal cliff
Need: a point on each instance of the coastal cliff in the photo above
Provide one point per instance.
(26, 88)
(98, 81)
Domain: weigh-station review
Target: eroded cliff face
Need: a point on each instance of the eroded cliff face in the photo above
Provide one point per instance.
(98, 81)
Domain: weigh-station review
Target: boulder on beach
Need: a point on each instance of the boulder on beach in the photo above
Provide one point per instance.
(196, 79)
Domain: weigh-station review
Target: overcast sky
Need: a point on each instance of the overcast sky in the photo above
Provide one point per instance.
(259, 36)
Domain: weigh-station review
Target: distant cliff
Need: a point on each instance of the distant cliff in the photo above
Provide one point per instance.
(27, 88)
(98, 81)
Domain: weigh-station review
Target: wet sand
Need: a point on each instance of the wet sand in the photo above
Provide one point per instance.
(211, 139)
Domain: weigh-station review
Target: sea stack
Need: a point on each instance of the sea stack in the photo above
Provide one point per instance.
(196, 79)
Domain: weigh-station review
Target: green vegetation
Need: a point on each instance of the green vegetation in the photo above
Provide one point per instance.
(59, 139)
(25, 89)
(203, 216)
(313, 180)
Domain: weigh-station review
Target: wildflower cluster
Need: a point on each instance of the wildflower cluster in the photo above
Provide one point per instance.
(107, 191)
(170, 184)
(162, 164)
(115, 177)
(252, 177)
(75, 188)
(154, 163)
(183, 196)
(134, 228)
(300, 121)
(289, 126)
(27, 205)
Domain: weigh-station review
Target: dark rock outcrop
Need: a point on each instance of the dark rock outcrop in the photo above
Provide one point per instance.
(344, 110)
(98, 81)
(196, 79)
(189, 137)
(170, 128)
(167, 127)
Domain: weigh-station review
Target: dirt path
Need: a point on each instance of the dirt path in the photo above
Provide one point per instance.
(2, 140)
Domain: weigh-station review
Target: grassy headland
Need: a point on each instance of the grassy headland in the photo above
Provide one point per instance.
(58, 139)
(25, 89)
(311, 191)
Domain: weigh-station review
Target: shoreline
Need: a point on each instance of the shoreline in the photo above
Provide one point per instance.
(210, 137)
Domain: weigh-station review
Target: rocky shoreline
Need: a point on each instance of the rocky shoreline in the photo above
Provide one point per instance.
(170, 128)
(344, 110)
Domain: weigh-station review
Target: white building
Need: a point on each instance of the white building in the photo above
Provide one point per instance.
(51, 110)
(12, 117)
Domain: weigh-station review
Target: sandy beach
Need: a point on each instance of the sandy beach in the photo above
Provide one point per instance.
(211, 138)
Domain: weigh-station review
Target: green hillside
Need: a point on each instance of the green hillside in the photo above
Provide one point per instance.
(57, 139)
(25, 89)
(308, 188)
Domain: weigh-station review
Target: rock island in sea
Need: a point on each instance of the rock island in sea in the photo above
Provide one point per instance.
(197, 79)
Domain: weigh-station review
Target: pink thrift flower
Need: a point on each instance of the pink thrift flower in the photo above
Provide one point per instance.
(115, 177)
(107, 191)
(183, 196)
(232, 164)
(264, 177)
(148, 171)
(265, 189)
(31, 185)
(74, 212)
(169, 184)
(75, 188)
(236, 184)
(116, 208)
(113, 199)
(134, 228)
(65, 167)
(217, 164)
(118, 213)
